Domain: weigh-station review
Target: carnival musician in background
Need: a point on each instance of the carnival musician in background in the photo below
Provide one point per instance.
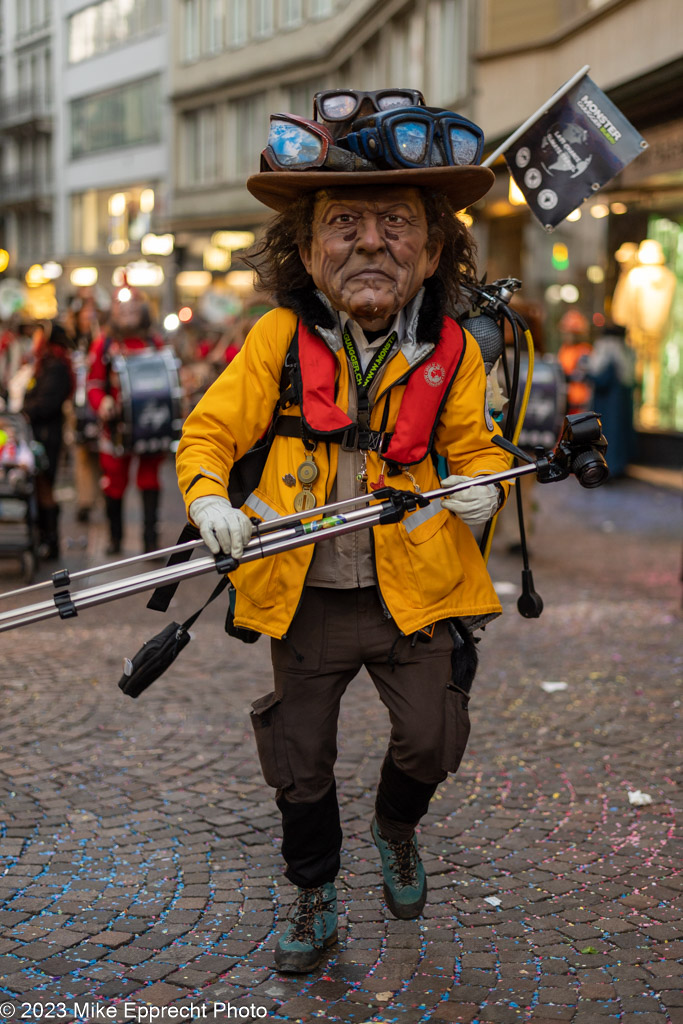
(51, 383)
(129, 332)
(82, 324)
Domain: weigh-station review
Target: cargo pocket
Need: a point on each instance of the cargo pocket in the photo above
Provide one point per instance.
(429, 542)
(456, 727)
(266, 719)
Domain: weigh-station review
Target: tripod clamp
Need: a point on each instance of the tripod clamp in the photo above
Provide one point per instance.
(400, 502)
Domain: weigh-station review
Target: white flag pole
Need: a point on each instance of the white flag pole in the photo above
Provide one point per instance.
(569, 84)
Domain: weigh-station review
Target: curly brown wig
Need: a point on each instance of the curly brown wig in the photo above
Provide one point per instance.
(275, 258)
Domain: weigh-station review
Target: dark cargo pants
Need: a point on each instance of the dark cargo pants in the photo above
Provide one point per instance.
(334, 634)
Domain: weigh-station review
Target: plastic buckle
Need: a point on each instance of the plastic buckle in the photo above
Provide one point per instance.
(349, 441)
(225, 563)
(64, 605)
(61, 578)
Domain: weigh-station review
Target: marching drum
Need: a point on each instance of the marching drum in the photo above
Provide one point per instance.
(150, 396)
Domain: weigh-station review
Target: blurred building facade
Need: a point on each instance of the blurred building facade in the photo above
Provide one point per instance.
(113, 131)
(124, 119)
(84, 135)
(26, 129)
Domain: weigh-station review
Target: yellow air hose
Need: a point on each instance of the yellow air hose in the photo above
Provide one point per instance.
(518, 425)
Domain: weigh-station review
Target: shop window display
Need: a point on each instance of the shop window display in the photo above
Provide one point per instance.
(648, 302)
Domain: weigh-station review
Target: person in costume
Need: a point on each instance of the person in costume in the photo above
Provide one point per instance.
(51, 384)
(367, 374)
(574, 349)
(610, 368)
(129, 331)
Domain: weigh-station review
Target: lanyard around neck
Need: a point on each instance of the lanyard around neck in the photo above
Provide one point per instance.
(364, 380)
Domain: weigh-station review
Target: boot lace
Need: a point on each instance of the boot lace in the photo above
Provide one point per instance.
(405, 860)
(308, 904)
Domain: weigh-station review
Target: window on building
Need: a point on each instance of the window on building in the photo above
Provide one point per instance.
(34, 73)
(301, 96)
(125, 116)
(22, 16)
(447, 47)
(190, 40)
(250, 121)
(291, 13)
(263, 18)
(47, 75)
(213, 26)
(89, 219)
(322, 8)
(239, 22)
(100, 27)
(110, 220)
(200, 149)
(35, 14)
(400, 70)
(23, 75)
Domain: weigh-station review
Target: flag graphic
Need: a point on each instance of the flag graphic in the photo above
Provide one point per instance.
(571, 151)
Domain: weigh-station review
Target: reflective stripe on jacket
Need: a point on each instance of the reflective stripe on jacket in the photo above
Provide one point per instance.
(428, 566)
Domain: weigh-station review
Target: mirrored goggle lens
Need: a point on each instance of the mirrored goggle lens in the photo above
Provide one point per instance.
(338, 107)
(292, 144)
(411, 140)
(394, 100)
(463, 145)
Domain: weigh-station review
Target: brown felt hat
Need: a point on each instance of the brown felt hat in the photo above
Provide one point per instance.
(461, 185)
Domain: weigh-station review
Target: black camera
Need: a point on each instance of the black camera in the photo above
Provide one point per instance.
(580, 450)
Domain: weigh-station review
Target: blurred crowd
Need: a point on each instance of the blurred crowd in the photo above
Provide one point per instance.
(63, 413)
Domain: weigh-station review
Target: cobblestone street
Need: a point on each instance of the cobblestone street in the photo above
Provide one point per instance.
(139, 847)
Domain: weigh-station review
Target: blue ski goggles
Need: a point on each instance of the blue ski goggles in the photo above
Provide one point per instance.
(416, 137)
(295, 144)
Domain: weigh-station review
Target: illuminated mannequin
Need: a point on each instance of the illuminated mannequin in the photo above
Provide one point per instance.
(642, 303)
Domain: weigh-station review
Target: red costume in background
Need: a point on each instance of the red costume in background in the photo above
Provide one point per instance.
(115, 464)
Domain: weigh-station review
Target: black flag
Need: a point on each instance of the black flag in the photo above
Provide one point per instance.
(574, 148)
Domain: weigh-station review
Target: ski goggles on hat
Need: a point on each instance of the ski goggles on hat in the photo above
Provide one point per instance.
(416, 137)
(344, 104)
(295, 144)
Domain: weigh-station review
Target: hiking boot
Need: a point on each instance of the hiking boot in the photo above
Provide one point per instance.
(405, 882)
(313, 927)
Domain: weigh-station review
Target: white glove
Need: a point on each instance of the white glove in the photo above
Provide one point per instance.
(223, 528)
(475, 505)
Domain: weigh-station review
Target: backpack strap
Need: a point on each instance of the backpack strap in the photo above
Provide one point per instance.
(162, 596)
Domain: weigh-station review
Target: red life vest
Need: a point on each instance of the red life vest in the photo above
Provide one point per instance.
(425, 394)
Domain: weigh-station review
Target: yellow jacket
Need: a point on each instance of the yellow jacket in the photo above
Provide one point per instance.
(428, 566)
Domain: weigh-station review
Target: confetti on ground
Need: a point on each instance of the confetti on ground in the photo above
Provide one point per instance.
(635, 796)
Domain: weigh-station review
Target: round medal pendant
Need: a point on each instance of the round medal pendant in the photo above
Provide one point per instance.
(307, 471)
(304, 501)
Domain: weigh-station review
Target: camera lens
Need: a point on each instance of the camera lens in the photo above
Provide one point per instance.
(590, 468)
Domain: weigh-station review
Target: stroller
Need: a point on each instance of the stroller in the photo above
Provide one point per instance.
(20, 460)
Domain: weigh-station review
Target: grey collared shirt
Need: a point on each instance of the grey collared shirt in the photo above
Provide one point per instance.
(347, 561)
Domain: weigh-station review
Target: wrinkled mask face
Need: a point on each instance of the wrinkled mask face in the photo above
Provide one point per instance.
(369, 251)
